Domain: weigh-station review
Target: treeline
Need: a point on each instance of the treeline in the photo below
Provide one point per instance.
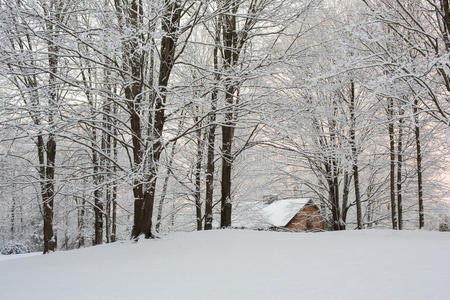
(128, 117)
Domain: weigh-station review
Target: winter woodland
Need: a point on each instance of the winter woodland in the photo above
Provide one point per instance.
(123, 119)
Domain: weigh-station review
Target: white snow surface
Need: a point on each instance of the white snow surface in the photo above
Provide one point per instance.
(280, 212)
(16, 256)
(241, 264)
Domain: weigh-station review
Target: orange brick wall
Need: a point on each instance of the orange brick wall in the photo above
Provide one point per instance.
(309, 215)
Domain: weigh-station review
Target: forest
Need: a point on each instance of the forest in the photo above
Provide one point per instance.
(128, 119)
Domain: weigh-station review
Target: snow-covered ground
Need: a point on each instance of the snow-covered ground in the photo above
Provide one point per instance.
(16, 256)
(239, 264)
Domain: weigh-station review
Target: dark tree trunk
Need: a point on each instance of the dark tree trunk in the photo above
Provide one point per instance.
(392, 162)
(335, 170)
(357, 196)
(334, 208)
(340, 223)
(108, 214)
(345, 194)
(399, 171)
(355, 155)
(419, 163)
(446, 19)
(12, 218)
(230, 60)
(226, 206)
(114, 189)
(210, 164)
(209, 178)
(198, 178)
(98, 202)
(210, 167)
(106, 163)
(114, 215)
(50, 148)
(98, 215)
(210, 173)
(81, 213)
(48, 196)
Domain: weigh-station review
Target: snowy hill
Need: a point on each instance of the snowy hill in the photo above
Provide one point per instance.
(233, 264)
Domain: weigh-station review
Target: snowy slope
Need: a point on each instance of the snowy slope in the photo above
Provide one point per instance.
(234, 264)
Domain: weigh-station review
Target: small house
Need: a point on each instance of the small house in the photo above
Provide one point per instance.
(293, 215)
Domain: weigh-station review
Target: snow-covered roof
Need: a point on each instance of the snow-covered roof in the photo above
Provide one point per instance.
(280, 212)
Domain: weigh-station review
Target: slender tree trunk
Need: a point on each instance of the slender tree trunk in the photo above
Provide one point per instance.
(446, 19)
(399, 171)
(226, 206)
(345, 194)
(419, 163)
(98, 216)
(198, 178)
(114, 216)
(341, 225)
(210, 168)
(12, 217)
(81, 213)
(114, 170)
(334, 205)
(210, 175)
(106, 165)
(98, 202)
(108, 214)
(48, 196)
(370, 207)
(355, 155)
(392, 162)
(335, 169)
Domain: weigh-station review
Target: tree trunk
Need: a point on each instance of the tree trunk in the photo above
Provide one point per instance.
(48, 169)
(392, 162)
(225, 200)
(355, 155)
(81, 213)
(98, 216)
(419, 163)
(12, 217)
(108, 214)
(399, 170)
(170, 25)
(345, 194)
(198, 178)
(210, 173)
(210, 168)
(230, 59)
(114, 170)
(48, 196)
(98, 202)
